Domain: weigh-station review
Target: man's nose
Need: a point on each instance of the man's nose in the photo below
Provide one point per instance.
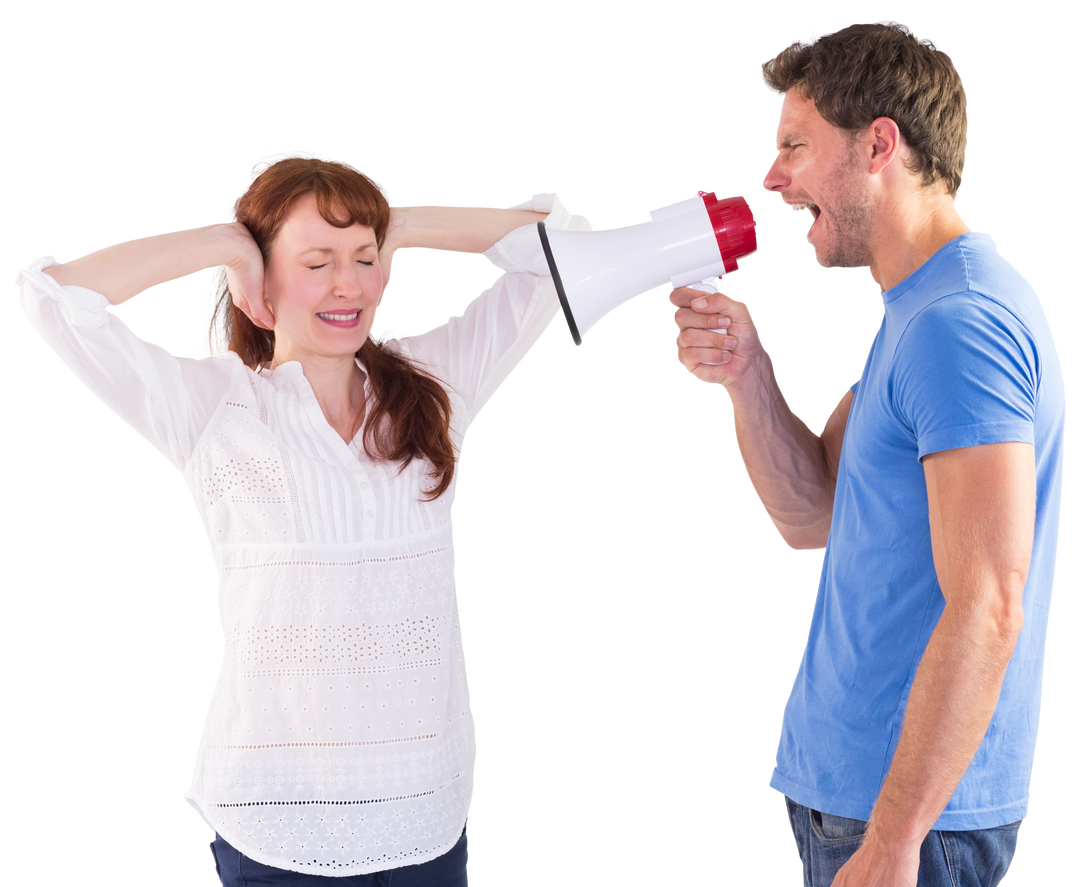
(776, 179)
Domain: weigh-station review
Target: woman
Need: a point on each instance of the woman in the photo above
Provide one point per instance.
(339, 740)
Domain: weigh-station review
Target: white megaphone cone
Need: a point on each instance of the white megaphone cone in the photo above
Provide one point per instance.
(685, 244)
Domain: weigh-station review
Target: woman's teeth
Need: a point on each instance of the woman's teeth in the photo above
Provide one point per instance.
(324, 316)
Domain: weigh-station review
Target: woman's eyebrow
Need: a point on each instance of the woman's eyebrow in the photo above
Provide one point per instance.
(325, 250)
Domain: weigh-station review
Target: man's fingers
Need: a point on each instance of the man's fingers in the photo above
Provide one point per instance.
(708, 303)
(706, 338)
(684, 295)
(689, 319)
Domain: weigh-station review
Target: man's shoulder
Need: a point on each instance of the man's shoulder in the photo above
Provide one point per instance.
(968, 282)
(991, 274)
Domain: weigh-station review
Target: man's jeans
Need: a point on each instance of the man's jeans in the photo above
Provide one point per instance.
(948, 859)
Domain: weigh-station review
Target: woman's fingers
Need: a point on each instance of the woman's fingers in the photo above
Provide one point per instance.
(245, 274)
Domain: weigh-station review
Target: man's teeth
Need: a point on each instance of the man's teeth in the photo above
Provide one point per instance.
(324, 316)
(804, 206)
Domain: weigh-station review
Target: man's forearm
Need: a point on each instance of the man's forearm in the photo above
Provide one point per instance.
(950, 705)
(461, 229)
(784, 460)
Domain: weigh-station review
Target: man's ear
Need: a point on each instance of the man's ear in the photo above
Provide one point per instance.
(882, 141)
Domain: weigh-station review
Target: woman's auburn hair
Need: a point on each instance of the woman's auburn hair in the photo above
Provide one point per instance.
(882, 68)
(410, 417)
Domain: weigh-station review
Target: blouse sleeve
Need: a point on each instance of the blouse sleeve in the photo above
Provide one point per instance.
(475, 352)
(168, 400)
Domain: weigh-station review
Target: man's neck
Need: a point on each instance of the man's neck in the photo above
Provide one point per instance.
(915, 232)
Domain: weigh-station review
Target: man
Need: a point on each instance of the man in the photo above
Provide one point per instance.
(934, 487)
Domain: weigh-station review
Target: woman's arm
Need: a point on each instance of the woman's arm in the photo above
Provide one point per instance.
(467, 230)
(125, 270)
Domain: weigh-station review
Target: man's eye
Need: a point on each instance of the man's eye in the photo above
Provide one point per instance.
(362, 262)
(317, 267)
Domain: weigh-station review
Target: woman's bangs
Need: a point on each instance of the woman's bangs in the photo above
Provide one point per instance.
(346, 203)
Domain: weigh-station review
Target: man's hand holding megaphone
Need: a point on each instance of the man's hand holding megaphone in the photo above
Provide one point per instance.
(717, 340)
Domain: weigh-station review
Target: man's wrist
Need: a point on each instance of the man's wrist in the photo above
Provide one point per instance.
(753, 381)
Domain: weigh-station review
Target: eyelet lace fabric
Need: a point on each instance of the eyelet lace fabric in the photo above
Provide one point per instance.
(340, 736)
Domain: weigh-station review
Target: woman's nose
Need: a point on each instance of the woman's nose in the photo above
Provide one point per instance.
(347, 282)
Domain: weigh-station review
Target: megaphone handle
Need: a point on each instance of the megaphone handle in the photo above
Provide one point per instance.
(711, 285)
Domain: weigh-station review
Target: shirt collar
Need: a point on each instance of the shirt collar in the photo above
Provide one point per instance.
(290, 372)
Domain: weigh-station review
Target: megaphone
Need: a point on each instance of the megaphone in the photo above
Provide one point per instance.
(685, 243)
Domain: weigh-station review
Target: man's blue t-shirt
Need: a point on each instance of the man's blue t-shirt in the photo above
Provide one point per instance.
(964, 357)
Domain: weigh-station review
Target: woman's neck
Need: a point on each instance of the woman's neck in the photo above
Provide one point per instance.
(338, 386)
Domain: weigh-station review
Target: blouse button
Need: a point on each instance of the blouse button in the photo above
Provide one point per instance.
(370, 513)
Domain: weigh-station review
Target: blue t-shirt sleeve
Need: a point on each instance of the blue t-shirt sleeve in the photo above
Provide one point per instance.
(965, 374)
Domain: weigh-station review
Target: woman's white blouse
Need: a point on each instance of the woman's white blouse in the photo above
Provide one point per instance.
(339, 739)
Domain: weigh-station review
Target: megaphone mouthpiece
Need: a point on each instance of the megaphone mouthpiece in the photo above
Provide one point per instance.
(734, 227)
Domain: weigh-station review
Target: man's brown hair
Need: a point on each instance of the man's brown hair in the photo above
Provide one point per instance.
(869, 71)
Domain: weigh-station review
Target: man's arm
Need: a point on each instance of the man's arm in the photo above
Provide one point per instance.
(982, 525)
(793, 470)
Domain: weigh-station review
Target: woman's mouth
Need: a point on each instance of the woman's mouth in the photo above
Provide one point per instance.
(340, 319)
